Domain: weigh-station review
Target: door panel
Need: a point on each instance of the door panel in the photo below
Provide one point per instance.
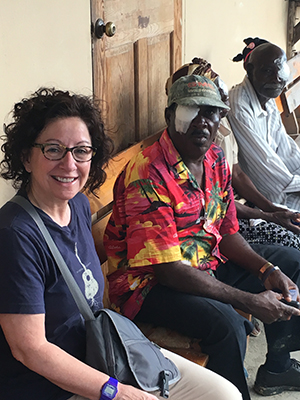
(158, 72)
(119, 95)
(136, 19)
(130, 68)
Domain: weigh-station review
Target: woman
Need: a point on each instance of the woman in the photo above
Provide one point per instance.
(54, 148)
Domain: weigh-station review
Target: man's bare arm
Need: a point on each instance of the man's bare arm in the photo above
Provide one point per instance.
(265, 210)
(266, 306)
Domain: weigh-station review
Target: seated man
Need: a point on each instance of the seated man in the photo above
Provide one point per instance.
(266, 153)
(263, 222)
(172, 230)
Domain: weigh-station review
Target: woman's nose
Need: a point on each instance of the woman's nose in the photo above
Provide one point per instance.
(68, 160)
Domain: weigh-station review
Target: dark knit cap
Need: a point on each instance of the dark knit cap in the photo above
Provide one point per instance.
(251, 44)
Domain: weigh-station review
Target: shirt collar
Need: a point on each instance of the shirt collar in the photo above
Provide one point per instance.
(173, 158)
(175, 163)
(224, 127)
(257, 108)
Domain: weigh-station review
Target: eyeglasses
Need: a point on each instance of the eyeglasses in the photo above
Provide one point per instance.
(56, 152)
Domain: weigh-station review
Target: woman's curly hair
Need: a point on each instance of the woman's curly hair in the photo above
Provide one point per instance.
(33, 114)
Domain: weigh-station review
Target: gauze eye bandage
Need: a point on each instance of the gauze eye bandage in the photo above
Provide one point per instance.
(283, 69)
(184, 115)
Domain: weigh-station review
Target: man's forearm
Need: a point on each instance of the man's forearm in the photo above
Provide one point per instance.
(246, 212)
(243, 185)
(236, 249)
(281, 217)
(265, 305)
(184, 278)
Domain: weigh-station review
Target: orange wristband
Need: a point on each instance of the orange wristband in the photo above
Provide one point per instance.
(268, 272)
(263, 269)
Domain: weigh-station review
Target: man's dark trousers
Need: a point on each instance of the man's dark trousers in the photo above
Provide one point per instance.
(222, 331)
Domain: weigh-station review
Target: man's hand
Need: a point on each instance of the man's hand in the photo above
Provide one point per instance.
(278, 281)
(284, 218)
(268, 308)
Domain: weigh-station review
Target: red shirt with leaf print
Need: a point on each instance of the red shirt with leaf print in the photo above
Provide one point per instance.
(161, 215)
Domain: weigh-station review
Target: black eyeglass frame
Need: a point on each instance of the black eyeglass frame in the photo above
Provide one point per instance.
(67, 149)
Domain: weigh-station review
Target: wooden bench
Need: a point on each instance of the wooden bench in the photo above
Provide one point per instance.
(101, 209)
(288, 102)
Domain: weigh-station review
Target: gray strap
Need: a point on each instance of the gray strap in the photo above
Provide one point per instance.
(78, 296)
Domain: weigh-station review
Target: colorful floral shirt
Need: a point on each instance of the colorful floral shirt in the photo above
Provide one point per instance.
(161, 215)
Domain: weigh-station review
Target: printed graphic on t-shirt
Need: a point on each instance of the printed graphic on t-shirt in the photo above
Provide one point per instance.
(90, 284)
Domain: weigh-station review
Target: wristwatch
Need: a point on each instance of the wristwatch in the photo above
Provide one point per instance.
(109, 389)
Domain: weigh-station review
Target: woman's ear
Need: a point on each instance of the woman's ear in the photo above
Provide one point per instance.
(26, 161)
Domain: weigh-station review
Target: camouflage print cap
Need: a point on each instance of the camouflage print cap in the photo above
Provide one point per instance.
(195, 90)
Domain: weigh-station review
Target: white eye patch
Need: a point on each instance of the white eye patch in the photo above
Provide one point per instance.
(184, 115)
(283, 69)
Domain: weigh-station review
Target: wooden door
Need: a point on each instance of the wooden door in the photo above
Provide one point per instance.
(131, 67)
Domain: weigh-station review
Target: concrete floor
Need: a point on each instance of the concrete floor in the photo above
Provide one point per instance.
(254, 358)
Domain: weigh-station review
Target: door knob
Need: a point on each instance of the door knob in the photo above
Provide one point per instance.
(100, 28)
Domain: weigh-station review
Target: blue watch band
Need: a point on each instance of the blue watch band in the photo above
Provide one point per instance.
(109, 389)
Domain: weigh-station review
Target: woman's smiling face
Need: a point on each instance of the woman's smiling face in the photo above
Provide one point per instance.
(59, 180)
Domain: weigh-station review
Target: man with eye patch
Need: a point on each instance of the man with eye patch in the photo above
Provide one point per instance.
(267, 154)
(174, 251)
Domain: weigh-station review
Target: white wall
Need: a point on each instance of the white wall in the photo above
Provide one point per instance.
(215, 30)
(42, 43)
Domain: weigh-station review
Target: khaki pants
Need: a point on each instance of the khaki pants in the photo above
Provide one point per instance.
(196, 383)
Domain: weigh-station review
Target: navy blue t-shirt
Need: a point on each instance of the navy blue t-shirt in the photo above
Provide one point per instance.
(31, 283)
